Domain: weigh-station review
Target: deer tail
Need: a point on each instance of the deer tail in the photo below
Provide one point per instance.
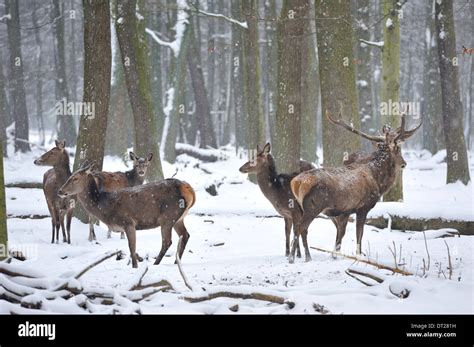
(301, 186)
(187, 192)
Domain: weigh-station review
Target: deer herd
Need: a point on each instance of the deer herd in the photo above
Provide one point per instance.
(125, 204)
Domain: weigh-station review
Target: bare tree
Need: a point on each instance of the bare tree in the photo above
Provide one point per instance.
(3, 213)
(18, 88)
(337, 77)
(456, 153)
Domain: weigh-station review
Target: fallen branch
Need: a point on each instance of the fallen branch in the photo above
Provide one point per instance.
(25, 185)
(97, 262)
(449, 261)
(178, 261)
(256, 296)
(370, 262)
(352, 272)
(427, 252)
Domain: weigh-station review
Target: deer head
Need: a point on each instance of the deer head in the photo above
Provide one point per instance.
(78, 180)
(53, 156)
(257, 164)
(390, 140)
(140, 165)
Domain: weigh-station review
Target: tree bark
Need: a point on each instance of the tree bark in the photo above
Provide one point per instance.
(431, 106)
(3, 213)
(390, 92)
(310, 94)
(251, 77)
(38, 77)
(337, 78)
(66, 129)
(97, 70)
(290, 30)
(133, 48)
(18, 88)
(3, 116)
(203, 112)
(456, 153)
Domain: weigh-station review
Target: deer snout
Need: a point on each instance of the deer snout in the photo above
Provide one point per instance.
(62, 194)
(404, 164)
(37, 162)
(243, 169)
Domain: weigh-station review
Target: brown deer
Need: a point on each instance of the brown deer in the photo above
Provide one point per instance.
(147, 206)
(53, 179)
(112, 181)
(276, 187)
(354, 188)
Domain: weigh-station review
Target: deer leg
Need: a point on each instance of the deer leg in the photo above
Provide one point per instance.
(109, 234)
(165, 242)
(68, 224)
(122, 235)
(304, 237)
(181, 231)
(288, 223)
(361, 217)
(91, 229)
(62, 214)
(341, 224)
(53, 224)
(132, 243)
(300, 228)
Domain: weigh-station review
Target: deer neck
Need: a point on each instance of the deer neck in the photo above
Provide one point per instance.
(62, 170)
(267, 178)
(133, 178)
(383, 169)
(90, 197)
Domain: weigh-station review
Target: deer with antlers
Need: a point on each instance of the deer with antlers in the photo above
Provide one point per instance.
(354, 188)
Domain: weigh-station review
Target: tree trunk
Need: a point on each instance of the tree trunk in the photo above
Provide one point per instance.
(456, 153)
(237, 77)
(251, 77)
(337, 78)
(203, 115)
(17, 82)
(3, 213)
(133, 48)
(290, 31)
(390, 92)
(309, 95)
(175, 89)
(38, 77)
(431, 106)
(66, 129)
(364, 71)
(92, 126)
(3, 116)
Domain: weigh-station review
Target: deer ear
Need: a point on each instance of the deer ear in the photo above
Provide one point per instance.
(267, 148)
(56, 142)
(62, 144)
(150, 156)
(132, 156)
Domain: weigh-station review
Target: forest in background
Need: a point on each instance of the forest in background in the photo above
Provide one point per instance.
(212, 73)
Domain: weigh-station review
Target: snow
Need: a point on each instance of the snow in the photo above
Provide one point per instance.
(251, 258)
(389, 23)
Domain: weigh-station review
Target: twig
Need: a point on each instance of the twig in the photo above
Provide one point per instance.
(352, 272)
(377, 265)
(358, 279)
(449, 261)
(178, 261)
(256, 296)
(371, 43)
(97, 262)
(427, 252)
(394, 253)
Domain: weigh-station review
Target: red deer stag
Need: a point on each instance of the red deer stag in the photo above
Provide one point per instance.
(148, 206)
(276, 187)
(112, 181)
(53, 179)
(354, 188)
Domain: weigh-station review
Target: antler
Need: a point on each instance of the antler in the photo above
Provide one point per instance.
(403, 134)
(346, 126)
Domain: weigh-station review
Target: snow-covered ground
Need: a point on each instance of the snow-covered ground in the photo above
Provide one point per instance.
(237, 244)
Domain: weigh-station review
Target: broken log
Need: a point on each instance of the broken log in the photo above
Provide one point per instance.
(256, 296)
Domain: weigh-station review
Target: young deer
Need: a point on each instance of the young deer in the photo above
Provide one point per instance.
(112, 181)
(148, 206)
(354, 188)
(53, 179)
(276, 187)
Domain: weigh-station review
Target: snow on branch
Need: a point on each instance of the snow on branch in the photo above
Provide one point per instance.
(219, 15)
(379, 44)
(182, 21)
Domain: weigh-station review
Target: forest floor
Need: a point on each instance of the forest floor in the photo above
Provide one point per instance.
(237, 245)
